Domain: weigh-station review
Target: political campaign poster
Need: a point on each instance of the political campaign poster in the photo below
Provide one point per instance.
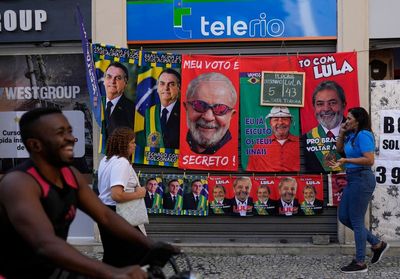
(115, 70)
(265, 195)
(242, 202)
(209, 113)
(44, 80)
(195, 195)
(287, 188)
(331, 88)
(157, 109)
(336, 184)
(221, 192)
(154, 192)
(173, 194)
(146, 98)
(311, 194)
(269, 134)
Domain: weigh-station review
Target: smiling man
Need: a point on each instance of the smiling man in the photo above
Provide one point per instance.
(281, 150)
(329, 102)
(119, 110)
(210, 102)
(242, 204)
(288, 205)
(264, 205)
(220, 204)
(38, 202)
(169, 89)
(311, 205)
(162, 120)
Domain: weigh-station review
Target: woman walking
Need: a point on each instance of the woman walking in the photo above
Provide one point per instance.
(356, 140)
(118, 182)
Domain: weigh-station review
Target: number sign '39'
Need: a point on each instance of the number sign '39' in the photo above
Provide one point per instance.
(387, 172)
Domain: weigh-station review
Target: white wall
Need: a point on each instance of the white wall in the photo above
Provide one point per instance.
(353, 36)
(384, 19)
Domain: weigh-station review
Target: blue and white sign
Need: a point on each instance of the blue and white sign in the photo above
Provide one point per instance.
(173, 21)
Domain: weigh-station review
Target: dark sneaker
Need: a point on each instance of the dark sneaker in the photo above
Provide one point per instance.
(378, 253)
(353, 267)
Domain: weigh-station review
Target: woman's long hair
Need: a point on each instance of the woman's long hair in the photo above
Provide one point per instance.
(117, 143)
(363, 119)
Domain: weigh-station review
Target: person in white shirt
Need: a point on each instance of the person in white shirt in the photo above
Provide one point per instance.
(118, 182)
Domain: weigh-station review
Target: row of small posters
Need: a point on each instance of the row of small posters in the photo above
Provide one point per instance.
(196, 195)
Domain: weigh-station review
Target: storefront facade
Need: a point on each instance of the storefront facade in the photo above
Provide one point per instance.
(227, 229)
(41, 66)
(110, 25)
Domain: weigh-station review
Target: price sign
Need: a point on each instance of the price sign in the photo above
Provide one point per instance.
(282, 89)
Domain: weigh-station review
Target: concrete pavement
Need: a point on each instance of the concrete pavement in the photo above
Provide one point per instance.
(287, 266)
(299, 261)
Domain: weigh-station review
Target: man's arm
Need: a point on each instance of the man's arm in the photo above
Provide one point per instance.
(20, 195)
(89, 203)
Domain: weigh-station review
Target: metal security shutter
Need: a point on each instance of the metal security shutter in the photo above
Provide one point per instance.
(375, 44)
(228, 229)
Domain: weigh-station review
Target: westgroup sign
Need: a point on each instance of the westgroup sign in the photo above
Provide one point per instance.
(230, 20)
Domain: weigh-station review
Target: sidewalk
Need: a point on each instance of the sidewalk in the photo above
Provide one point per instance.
(299, 261)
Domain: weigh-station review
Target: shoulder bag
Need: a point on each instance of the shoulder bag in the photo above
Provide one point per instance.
(133, 211)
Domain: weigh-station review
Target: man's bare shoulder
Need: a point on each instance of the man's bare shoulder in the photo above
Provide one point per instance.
(16, 183)
(82, 180)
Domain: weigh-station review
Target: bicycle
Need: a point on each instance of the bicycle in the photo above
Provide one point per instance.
(156, 260)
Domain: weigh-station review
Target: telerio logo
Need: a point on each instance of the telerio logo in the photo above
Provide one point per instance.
(260, 27)
(179, 13)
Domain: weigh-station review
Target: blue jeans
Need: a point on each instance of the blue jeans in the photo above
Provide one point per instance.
(353, 206)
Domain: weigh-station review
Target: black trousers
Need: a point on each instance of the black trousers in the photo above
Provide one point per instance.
(119, 252)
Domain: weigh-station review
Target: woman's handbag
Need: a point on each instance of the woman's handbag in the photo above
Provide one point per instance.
(133, 211)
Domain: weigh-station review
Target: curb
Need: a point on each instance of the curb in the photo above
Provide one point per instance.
(251, 249)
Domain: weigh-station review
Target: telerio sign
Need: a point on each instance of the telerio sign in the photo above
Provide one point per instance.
(173, 21)
(42, 20)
